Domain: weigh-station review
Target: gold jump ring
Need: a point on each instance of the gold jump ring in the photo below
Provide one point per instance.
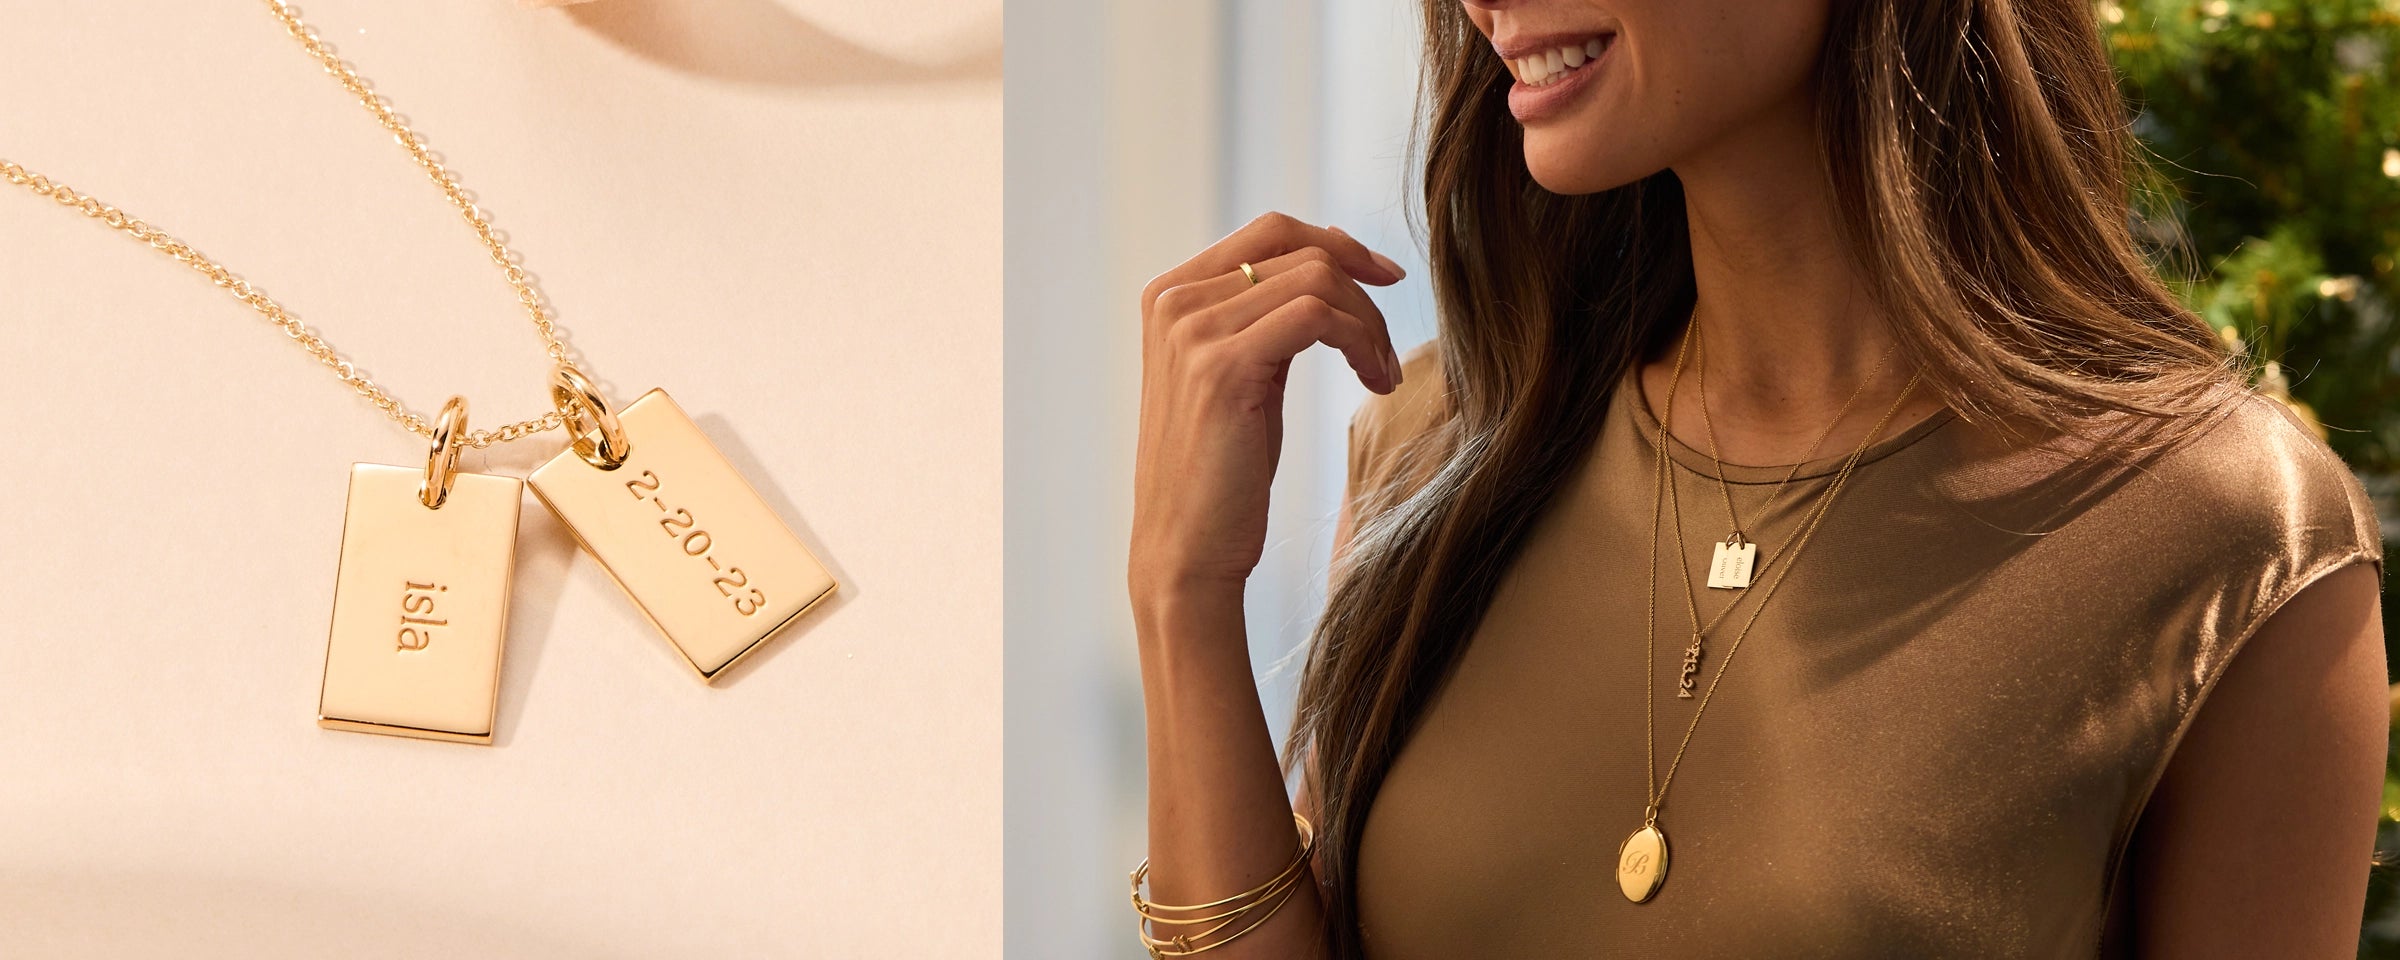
(449, 427)
(586, 413)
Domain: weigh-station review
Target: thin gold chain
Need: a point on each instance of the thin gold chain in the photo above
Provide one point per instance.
(1658, 479)
(1701, 379)
(300, 333)
(1691, 601)
(1657, 786)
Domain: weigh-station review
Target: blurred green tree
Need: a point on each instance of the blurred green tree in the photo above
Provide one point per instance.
(2275, 132)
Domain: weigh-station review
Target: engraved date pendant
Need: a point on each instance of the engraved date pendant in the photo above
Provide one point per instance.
(1729, 566)
(706, 560)
(420, 600)
(1642, 863)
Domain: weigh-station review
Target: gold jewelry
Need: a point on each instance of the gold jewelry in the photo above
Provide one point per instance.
(442, 463)
(1251, 272)
(426, 662)
(1270, 895)
(308, 340)
(1684, 684)
(1733, 561)
(599, 437)
(1642, 857)
(1731, 565)
(301, 335)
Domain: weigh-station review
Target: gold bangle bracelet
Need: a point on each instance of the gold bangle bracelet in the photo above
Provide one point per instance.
(1308, 844)
(1198, 940)
(1272, 895)
(1255, 897)
(1182, 947)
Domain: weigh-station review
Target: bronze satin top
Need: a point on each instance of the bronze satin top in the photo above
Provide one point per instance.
(1934, 742)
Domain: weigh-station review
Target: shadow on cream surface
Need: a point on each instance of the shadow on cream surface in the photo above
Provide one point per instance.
(767, 43)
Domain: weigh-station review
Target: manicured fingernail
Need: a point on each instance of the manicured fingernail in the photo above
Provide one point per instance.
(1387, 263)
(1391, 364)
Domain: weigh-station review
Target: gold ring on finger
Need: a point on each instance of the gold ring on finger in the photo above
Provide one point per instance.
(1251, 272)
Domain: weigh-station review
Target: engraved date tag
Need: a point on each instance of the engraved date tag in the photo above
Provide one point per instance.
(1729, 566)
(420, 606)
(706, 560)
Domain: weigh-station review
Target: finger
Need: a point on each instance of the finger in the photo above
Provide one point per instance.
(1320, 271)
(1271, 236)
(1389, 265)
(1304, 273)
(1306, 270)
(1305, 320)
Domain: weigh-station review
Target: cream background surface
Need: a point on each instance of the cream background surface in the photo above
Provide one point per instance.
(793, 231)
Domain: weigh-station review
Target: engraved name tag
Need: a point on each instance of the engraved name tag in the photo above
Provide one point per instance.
(706, 560)
(420, 606)
(1729, 566)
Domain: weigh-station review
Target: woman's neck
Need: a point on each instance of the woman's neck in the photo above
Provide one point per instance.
(1787, 329)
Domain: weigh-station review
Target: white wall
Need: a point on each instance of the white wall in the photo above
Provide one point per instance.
(1137, 134)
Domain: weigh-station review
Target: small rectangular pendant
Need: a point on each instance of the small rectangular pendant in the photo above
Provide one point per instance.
(706, 560)
(420, 606)
(1729, 567)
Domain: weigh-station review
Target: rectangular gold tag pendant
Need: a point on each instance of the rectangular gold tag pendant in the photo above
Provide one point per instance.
(706, 560)
(420, 606)
(1729, 567)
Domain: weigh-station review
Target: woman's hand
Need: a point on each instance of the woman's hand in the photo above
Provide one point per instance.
(1215, 352)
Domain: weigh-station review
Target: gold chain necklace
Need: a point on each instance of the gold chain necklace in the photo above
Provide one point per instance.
(1642, 857)
(300, 334)
(421, 591)
(1733, 561)
(1731, 566)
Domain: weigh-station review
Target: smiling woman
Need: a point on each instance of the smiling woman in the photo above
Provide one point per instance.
(2001, 617)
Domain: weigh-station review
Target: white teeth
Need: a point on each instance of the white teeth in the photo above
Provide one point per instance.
(1546, 67)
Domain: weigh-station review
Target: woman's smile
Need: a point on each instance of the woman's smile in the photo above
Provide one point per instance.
(1552, 71)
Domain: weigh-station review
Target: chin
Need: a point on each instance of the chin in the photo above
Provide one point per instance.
(1564, 166)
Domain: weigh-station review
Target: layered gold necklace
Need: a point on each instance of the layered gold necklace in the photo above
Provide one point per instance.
(420, 604)
(1732, 564)
(1642, 857)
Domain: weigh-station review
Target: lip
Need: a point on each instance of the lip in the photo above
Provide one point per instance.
(1530, 104)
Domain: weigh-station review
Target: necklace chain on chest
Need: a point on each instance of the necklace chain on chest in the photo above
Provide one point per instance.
(1642, 858)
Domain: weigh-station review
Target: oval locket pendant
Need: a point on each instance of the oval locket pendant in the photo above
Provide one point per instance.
(1642, 863)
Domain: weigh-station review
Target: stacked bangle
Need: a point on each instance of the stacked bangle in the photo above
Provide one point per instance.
(1263, 901)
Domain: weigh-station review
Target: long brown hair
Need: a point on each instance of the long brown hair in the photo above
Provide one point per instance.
(1982, 168)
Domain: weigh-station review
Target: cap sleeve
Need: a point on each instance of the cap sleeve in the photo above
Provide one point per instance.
(2289, 501)
(1384, 432)
(2246, 516)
